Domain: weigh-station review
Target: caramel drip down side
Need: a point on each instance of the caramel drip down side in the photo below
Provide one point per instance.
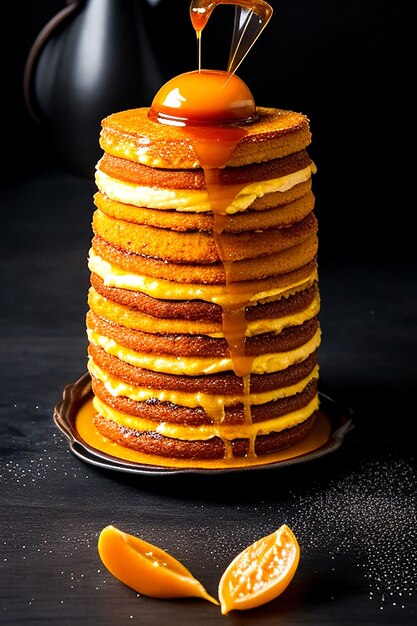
(213, 157)
(220, 197)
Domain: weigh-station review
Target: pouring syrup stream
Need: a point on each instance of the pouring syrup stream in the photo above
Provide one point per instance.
(251, 17)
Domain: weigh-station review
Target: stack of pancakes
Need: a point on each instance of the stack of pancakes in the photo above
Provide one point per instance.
(170, 375)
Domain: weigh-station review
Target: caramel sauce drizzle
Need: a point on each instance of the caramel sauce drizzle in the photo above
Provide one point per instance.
(251, 17)
(213, 146)
(233, 309)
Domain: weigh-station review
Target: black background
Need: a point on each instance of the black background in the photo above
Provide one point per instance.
(349, 66)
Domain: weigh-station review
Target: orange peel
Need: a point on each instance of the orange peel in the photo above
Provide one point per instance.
(261, 572)
(146, 568)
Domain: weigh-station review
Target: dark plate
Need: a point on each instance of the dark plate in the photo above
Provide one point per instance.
(79, 393)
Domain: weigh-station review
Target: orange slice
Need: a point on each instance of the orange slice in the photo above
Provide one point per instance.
(261, 572)
(145, 568)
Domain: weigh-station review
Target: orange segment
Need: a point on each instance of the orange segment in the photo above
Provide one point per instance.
(146, 568)
(261, 572)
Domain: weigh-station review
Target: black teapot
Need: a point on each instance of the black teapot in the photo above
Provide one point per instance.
(92, 59)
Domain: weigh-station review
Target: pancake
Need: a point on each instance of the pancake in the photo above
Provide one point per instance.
(221, 383)
(166, 411)
(194, 310)
(188, 345)
(132, 135)
(198, 246)
(216, 448)
(203, 320)
(254, 218)
(265, 266)
(196, 198)
(138, 174)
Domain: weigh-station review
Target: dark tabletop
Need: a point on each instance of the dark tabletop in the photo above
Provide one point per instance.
(353, 511)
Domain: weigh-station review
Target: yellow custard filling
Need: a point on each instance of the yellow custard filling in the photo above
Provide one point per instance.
(211, 403)
(204, 432)
(137, 320)
(198, 366)
(196, 201)
(114, 276)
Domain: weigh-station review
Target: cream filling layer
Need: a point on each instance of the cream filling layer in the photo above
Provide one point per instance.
(137, 320)
(212, 404)
(198, 366)
(205, 432)
(194, 200)
(114, 276)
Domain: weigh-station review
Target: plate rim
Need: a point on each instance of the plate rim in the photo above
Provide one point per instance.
(79, 392)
